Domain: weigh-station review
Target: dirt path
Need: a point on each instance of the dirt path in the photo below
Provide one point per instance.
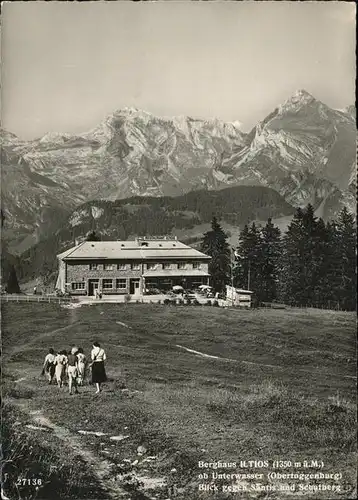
(203, 355)
(11, 352)
(102, 469)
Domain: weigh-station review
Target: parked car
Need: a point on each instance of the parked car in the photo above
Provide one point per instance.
(59, 293)
(153, 291)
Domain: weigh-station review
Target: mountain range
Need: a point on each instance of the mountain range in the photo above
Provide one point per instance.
(304, 150)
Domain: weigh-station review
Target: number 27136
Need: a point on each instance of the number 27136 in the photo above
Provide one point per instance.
(24, 481)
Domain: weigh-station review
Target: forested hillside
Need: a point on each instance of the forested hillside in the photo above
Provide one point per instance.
(125, 219)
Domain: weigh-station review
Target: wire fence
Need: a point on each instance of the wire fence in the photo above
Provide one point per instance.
(333, 306)
(35, 298)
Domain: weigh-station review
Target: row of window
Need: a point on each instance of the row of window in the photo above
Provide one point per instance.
(150, 266)
(106, 284)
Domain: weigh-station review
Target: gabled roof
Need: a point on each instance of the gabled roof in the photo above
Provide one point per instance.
(238, 290)
(67, 252)
(137, 249)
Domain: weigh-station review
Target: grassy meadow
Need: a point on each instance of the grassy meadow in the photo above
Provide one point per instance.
(281, 388)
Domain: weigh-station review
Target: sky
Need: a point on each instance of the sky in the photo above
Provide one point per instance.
(67, 65)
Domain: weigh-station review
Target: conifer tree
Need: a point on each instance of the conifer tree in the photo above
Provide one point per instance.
(331, 275)
(92, 236)
(346, 230)
(216, 245)
(270, 261)
(293, 277)
(12, 282)
(320, 288)
(247, 273)
(241, 259)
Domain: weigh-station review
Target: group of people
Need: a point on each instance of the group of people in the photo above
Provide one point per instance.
(74, 364)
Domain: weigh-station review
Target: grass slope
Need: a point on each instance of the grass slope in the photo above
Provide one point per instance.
(285, 390)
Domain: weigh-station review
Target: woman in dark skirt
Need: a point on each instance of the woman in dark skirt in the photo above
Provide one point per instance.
(98, 357)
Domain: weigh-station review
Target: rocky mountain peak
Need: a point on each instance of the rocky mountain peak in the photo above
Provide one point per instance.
(351, 111)
(304, 150)
(55, 137)
(298, 100)
(7, 137)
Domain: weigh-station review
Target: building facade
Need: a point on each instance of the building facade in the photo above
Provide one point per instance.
(130, 267)
(238, 296)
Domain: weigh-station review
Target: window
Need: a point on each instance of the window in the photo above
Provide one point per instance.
(196, 265)
(167, 265)
(151, 283)
(93, 266)
(108, 267)
(121, 283)
(151, 265)
(78, 286)
(121, 266)
(107, 284)
(135, 266)
(181, 265)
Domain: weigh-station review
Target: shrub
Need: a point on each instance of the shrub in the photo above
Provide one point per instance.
(127, 298)
(208, 303)
(166, 302)
(215, 303)
(180, 302)
(173, 302)
(196, 302)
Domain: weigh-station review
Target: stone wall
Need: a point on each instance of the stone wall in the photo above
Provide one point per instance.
(79, 271)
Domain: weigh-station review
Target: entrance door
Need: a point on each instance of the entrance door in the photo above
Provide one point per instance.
(92, 286)
(134, 287)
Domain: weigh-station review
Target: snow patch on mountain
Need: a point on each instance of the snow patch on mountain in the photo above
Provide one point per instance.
(77, 217)
(97, 212)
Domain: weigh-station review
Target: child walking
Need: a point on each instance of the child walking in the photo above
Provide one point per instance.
(60, 362)
(81, 366)
(72, 371)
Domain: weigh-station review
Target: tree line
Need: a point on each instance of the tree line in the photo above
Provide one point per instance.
(312, 264)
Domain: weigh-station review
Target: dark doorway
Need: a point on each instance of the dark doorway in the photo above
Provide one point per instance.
(92, 286)
(134, 287)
